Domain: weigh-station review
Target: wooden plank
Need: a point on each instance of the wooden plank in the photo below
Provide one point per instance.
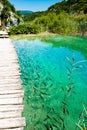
(10, 71)
(11, 62)
(2, 92)
(9, 77)
(9, 67)
(8, 58)
(10, 82)
(16, 95)
(10, 87)
(8, 54)
(4, 61)
(10, 114)
(11, 101)
(9, 74)
(21, 128)
(12, 123)
(4, 108)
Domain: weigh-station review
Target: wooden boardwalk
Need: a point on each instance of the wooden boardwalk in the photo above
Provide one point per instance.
(11, 92)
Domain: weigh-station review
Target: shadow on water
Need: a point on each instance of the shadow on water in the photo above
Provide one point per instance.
(55, 83)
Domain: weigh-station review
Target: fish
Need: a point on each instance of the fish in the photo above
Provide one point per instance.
(42, 105)
(50, 78)
(64, 110)
(64, 126)
(34, 115)
(49, 111)
(53, 110)
(48, 117)
(38, 75)
(41, 96)
(85, 117)
(71, 83)
(73, 59)
(34, 87)
(56, 120)
(62, 88)
(51, 85)
(36, 78)
(47, 127)
(69, 88)
(51, 128)
(59, 82)
(61, 118)
(77, 67)
(26, 78)
(44, 83)
(67, 111)
(44, 93)
(44, 88)
(56, 126)
(64, 103)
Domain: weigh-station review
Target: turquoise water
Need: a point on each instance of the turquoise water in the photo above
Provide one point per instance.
(55, 84)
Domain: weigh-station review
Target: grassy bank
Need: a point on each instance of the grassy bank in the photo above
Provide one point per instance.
(33, 36)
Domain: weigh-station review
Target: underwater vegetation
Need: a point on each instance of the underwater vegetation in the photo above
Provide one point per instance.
(82, 121)
(54, 81)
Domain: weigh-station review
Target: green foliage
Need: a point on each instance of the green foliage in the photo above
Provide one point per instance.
(69, 6)
(82, 125)
(8, 4)
(32, 16)
(82, 23)
(61, 24)
(62, 18)
(59, 7)
(4, 15)
(24, 29)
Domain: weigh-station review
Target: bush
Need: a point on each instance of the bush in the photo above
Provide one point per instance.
(82, 23)
(24, 29)
(56, 23)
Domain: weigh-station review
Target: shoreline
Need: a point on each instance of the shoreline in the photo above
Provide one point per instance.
(41, 35)
(32, 36)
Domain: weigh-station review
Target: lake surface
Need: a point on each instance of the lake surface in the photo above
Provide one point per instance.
(55, 84)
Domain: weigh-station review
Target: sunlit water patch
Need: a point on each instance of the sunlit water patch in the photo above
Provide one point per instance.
(55, 85)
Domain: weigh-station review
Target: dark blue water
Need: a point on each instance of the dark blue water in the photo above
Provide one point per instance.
(55, 85)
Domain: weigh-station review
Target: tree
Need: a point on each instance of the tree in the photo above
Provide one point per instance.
(4, 15)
